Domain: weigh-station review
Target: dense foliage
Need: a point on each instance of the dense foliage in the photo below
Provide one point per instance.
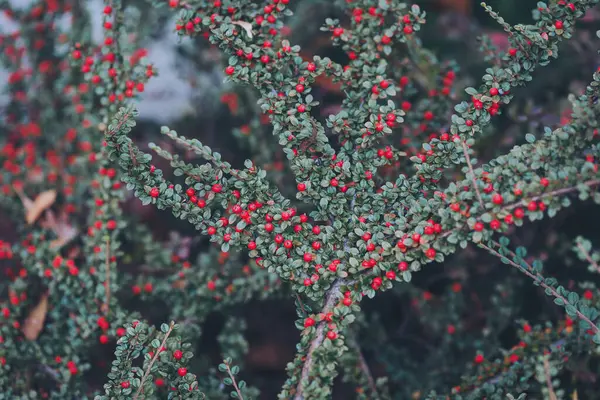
(374, 194)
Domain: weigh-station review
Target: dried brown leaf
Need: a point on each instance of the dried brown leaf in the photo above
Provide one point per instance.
(247, 26)
(61, 227)
(41, 203)
(35, 208)
(35, 321)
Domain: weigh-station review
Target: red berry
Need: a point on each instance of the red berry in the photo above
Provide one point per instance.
(331, 335)
(308, 322)
(182, 371)
(479, 359)
(478, 227)
(497, 199)
(519, 213)
(252, 246)
(301, 187)
(337, 32)
(154, 192)
(177, 354)
(493, 92)
(230, 70)
(125, 384)
(430, 253)
(558, 25)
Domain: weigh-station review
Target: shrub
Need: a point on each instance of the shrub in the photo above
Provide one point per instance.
(383, 187)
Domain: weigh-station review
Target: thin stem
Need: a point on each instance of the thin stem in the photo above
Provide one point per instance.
(362, 363)
(551, 393)
(301, 304)
(235, 386)
(141, 388)
(106, 305)
(588, 257)
(473, 181)
(540, 280)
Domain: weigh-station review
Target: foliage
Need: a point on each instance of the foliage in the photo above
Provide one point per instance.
(388, 183)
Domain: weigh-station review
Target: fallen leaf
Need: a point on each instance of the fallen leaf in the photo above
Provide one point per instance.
(42, 202)
(35, 208)
(35, 321)
(61, 227)
(247, 26)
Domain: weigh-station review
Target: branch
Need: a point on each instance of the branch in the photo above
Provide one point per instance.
(330, 300)
(235, 386)
(158, 351)
(364, 367)
(551, 393)
(538, 278)
(106, 305)
(473, 180)
(588, 257)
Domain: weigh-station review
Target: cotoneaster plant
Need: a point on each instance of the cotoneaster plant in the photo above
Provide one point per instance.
(384, 186)
(366, 232)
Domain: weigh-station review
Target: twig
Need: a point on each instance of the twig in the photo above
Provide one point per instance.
(301, 304)
(551, 393)
(141, 388)
(466, 153)
(588, 257)
(235, 386)
(540, 280)
(106, 305)
(362, 363)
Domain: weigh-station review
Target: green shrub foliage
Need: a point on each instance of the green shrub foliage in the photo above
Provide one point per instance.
(385, 187)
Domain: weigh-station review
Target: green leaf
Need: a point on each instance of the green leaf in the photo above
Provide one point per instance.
(559, 301)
